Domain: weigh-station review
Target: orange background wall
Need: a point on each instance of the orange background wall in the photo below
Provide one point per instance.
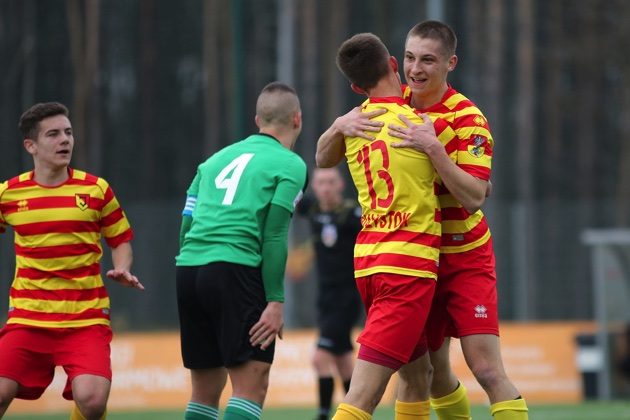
(539, 358)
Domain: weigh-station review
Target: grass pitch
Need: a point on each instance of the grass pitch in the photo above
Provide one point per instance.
(585, 411)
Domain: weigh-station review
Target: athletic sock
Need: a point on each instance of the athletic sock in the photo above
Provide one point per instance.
(76, 414)
(510, 410)
(242, 409)
(326, 389)
(419, 410)
(197, 411)
(348, 412)
(454, 406)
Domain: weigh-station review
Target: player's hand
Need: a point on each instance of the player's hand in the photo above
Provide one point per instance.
(270, 324)
(414, 136)
(359, 124)
(125, 278)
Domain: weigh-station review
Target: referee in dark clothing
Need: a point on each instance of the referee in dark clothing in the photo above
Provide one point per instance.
(335, 223)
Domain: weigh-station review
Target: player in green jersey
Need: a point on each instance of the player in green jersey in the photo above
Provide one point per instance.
(230, 268)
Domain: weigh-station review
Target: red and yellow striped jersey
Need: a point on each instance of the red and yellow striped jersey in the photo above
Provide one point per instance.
(464, 132)
(400, 211)
(57, 230)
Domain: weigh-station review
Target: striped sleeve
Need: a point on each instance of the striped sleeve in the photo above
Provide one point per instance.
(3, 188)
(114, 223)
(475, 146)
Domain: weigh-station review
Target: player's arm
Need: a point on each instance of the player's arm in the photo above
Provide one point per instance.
(330, 145)
(122, 258)
(189, 207)
(274, 258)
(191, 201)
(469, 190)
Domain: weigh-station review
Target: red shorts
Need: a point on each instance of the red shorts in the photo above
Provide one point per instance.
(397, 308)
(28, 355)
(465, 301)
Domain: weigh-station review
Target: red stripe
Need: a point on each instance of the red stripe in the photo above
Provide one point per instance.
(452, 145)
(371, 237)
(75, 273)
(58, 317)
(74, 295)
(59, 226)
(113, 217)
(396, 260)
(59, 251)
(126, 236)
(449, 239)
(481, 172)
(454, 213)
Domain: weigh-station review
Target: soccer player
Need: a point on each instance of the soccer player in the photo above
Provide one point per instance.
(460, 147)
(398, 247)
(58, 304)
(335, 223)
(230, 268)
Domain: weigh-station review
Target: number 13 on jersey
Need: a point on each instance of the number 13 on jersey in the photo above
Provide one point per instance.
(364, 159)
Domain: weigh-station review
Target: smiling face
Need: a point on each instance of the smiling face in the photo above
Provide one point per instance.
(52, 146)
(426, 67)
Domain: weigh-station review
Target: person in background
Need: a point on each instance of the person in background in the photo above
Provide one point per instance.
(335, 223)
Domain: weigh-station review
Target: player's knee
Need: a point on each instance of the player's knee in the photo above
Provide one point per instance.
(321, 361)
(487, 375)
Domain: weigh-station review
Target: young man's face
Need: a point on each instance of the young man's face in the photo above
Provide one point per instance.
(54, 143)
(426, 66)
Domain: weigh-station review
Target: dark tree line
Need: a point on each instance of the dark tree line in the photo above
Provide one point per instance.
(155, 86)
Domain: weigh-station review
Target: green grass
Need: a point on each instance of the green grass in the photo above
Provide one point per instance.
(585, 411)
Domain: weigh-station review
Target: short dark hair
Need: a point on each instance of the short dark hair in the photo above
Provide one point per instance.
(363, 59)
(277, 103)
(433, 29)
(29, 121)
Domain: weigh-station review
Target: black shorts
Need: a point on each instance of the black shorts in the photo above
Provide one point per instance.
(337, 313)
(218, 304)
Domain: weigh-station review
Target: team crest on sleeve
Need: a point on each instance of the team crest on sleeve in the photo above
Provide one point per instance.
(477, 148)
(480, 120)
(82, 201)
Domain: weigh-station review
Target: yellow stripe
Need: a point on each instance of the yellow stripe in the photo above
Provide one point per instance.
(402, 248)
(59, 324)
(116, 229)
(62, 191)
(394, 270)
(90, 282)
(466, 158)
(58, 264)
(460, 226)
(59, 306)
(454, 100)
(54, 239)
(466, 247)
(65, 213)
(472, 130)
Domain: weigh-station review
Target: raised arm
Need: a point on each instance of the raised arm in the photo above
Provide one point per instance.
(331, 147)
